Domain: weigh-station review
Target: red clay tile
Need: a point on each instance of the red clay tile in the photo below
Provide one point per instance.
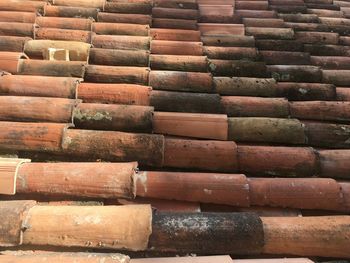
(179, 63)
(38, 86)
(174, 23)
(51, 68)
(277, 161)
(229, 41)
(266, 130)
(307, 236)
(303, 193)
(337, 77)
(185, 4)
(77, 179)
(289, 8)
(217, 2)
(306, 91)
(317, 37)
(63, 34)
(16, 29)
(21, 17)
(26, 6)
(13, 214)
(220, 29)
(299, 18)
(327, 134)
(121, 42)
(129, 7)
(78, 51)
(285, 57)
(295, 73)
(10, 61)
(65, 257)
(71, 11)
(334, 163)
(113, 117)
(230, 53)
(124, 18)
(35, 109)
(80, 3)
(185, 102)
(236, 106)
(31, 136)
(100, 223)
(207, 126)
(270, 33)
(181, 81)
(343, 94)
(231, 189)
(216, 13)
(15, 56)
(13, 43)
(325, 12)
(217, 259)
(115, 146)
(263, 22)
(120, 29)
(164, 47)
(252, 5)
(257, 13)
(237, 68)
(64, 23)
(287, 2)
(241, 86)
(203, 155)
(114, 93)
(175, 34)
(114, 57)
(321, 110)
(279, 45)
(327, 50)
(111, 74)
(305, 36)
(175, 13)
(333, 21)
(331, 62)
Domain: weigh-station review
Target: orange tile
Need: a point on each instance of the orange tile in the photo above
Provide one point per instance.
(231, 189)
(277, 161)
(217, 259)
(114, 93)
(202, 155)
(207, 126)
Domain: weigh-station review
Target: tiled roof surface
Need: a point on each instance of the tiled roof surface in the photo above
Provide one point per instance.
(230, 118)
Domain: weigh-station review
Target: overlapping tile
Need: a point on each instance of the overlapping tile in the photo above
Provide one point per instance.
(225, 86)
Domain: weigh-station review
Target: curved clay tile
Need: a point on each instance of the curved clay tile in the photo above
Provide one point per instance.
(64, 257)
(78, 51)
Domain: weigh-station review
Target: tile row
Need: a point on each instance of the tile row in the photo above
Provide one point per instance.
(140, 229)
(125, 181)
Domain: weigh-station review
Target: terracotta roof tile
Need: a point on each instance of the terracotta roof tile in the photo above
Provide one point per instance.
(70, 11)
(39, 257)
(218, 259)
(240, 88)
(22, 17)
(124, 18)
